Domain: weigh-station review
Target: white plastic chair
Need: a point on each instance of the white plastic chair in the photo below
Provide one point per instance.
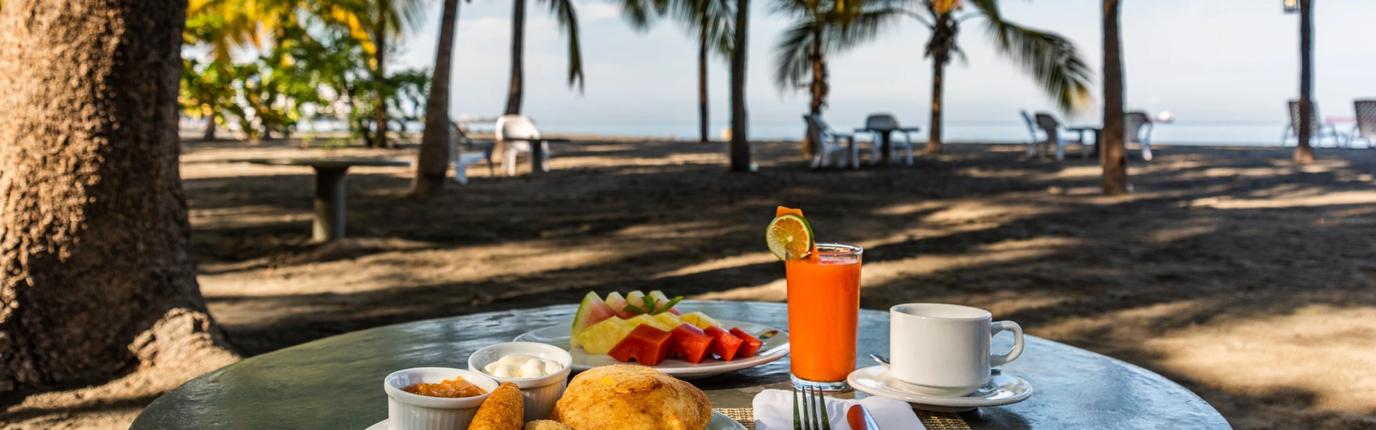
(1051, 127)
(1032, 132)
(1366, 123)
(1321, 129)
(467, 152)
(1138, 128)
(829, 143)
(514, 133)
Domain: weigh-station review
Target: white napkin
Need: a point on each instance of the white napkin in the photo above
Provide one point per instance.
(774, 411)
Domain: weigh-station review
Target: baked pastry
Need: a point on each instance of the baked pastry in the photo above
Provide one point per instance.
(504, 409)
(631, 397)
(546, 425)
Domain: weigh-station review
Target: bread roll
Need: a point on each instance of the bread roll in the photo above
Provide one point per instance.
(503, 410)
(632, 397)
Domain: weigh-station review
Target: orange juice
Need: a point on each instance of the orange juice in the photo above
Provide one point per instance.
(823, 308)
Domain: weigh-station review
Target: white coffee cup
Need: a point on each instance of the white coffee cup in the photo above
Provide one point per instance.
(942, 349)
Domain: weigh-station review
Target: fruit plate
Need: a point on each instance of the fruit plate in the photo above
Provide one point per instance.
(774, 348)
(719, 422)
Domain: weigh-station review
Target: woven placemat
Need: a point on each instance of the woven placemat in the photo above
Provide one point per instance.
(932, 420)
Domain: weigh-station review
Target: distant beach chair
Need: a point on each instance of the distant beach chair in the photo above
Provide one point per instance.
(886, 123)
(1138, 127)
(1051, 127)
(514, 133)
(1321, 129)
(1366, 123)
(468, 152)
(829, 142)
(1032, 133)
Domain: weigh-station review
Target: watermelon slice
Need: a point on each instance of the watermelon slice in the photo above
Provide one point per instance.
(750, 345)
(591, 311)
(616, 302)
(725, 345)
(646, 345)
(689, 343)
(634, 298)
(662, 302)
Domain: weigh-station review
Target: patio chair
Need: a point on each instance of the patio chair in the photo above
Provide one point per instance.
(514, 133)
(468, 152)
(1032, 132)
(1138, 126)
(1052, 128)
(1366, 123)
(1321, 129)
(829, 143)
(884, 121)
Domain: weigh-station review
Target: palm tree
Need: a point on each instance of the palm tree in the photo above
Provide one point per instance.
(568, 20)
(740, 142)
(1112, 155)
(710, 22)
(822, 28)
(374, 22)
(432, 161)
(1304, 154)
(1051, 59)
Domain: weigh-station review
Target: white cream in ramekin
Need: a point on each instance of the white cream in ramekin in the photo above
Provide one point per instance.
(407, 411)
(540, 392)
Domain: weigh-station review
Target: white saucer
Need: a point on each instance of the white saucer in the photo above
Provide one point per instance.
(1002, 389)
(719, 422)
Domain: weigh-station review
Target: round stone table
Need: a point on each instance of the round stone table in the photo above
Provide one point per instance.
(336, 383)
(330, 189)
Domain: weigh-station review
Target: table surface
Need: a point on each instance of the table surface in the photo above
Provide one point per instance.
(331, 162)
(336, 382)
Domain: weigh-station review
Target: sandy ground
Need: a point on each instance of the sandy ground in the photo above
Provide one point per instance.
(1231, 271)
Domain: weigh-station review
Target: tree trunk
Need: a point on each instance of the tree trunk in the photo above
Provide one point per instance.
(1304, 153)
(703, 50)
(1112, 154)
(817, 89)
(740, 142)
(209, 134)
(95, 274)
(939, 60)
(380, 75)
(518, 31)
(432, 163)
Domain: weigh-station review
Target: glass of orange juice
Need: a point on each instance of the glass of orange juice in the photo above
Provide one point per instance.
(823, 311)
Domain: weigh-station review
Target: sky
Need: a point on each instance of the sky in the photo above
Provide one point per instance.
(1213, 64)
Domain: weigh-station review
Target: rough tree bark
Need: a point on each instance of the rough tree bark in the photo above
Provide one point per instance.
(518, 47)
(380, 76)
(1112, 153)
(432, 162)
(703, 50)
(740, 142)
(943, 41)
(95, 274)
(817, 89)
(1304, 153)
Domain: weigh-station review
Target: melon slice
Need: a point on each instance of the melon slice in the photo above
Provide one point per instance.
(662, 301)
(699, 319)
(591, 311)
(636, 299)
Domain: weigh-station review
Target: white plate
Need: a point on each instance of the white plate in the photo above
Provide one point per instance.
(1002, 389)
(774, 348)
(719, 422)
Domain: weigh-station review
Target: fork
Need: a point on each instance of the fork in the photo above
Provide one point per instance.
(814, 410)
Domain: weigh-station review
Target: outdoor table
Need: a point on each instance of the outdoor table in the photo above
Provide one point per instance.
(336, 382)
(1091, 130)
(330, 189)
(537, 152)
(885, 135)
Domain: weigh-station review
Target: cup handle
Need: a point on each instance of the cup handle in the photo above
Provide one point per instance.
(1001, 359)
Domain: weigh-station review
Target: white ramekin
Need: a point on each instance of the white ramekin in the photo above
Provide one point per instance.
(406, 411)
(540, 392)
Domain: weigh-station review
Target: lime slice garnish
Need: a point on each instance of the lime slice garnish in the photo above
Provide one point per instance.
(789, 236)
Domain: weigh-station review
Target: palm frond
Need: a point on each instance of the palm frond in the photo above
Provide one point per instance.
(713, 19)
(567, 17)
(640, 13)
(792, 55)
(1052, 60)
